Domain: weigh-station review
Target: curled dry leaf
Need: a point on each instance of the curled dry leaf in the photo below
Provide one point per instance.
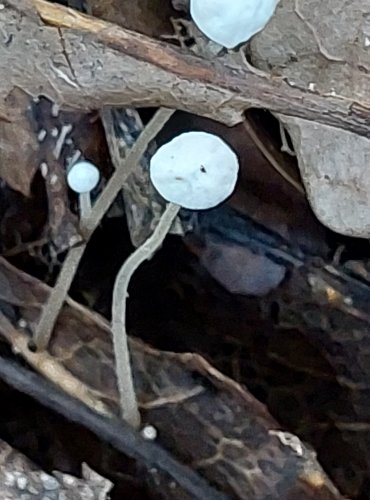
(323, 47)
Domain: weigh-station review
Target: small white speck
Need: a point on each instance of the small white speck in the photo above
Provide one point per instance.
(65, 130)
(53, 180)
(55, 110)
(68, 480)
(2, 6)
(73, 159)
(348, 301)
(69, 141)
(290, 440)
(332, 92)
(149, 432)
(44, 169)
(367, 42)
(22, 323)
(9, 479)
(36, 100)
(22, 482)
(54, 132)
(312, 87)
(41, 135)
(16, 350)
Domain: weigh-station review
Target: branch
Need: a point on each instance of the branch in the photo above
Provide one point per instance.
(118, 67)
(116, 433)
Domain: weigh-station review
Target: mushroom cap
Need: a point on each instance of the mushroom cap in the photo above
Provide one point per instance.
(195, 170)
(83, 177)
(231, 22)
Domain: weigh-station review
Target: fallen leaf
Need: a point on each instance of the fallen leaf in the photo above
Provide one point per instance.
(18, 144)
(322, 47)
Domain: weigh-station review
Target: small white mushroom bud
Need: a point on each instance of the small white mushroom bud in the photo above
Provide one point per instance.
(82, 178)
(196, 170)
(231, 22)
(149, 432)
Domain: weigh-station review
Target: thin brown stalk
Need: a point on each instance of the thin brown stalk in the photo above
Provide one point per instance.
(270, 157)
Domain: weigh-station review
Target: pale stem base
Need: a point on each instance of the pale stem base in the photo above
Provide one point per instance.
(84, 201)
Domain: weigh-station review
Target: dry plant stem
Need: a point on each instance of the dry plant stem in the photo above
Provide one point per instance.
(128, 402)
(139, 71)
(271, 158)
(285, 148)
(124, 170)
(50, 368)
(51, 309)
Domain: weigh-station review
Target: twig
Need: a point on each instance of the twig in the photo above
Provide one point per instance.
(49, 367)
(285, 148)
(116, 433)
(139, 71)
(126, 389)
(121, 174)
(248, 127)
(51, 309)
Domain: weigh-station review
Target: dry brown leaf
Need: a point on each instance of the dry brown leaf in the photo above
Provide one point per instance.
(18, 144)
(242, 450)
(323, 47)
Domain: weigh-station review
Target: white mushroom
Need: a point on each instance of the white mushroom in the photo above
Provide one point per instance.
(231, 22)
(196, 170)
(82, 178)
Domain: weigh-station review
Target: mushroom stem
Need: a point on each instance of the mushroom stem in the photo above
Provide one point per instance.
(84, 201)
(128, 402)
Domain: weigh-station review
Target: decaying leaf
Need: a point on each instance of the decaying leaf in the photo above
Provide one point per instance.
(18, 143)
(334, 169)
(20, 478)
(323, 47)
(242, 450)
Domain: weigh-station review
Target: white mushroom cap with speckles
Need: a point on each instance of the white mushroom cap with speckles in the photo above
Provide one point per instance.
(196, 170)
(231, 22)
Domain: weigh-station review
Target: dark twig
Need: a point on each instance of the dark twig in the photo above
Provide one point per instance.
(113, 431)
